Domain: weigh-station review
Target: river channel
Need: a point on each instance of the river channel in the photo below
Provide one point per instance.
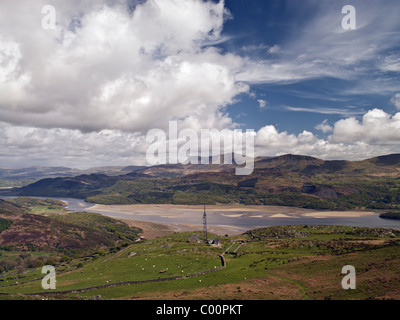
(240, 218)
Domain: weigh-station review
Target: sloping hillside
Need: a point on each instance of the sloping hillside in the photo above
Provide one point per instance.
(9, 209)
(66, 232)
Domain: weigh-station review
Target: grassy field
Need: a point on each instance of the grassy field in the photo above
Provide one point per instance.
(39, 206)
(291, 262)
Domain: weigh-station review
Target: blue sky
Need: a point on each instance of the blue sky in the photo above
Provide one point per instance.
(83, 87)
(256, 26)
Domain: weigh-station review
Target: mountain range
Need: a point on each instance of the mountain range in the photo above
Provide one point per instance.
(10, 177)
(293, 180)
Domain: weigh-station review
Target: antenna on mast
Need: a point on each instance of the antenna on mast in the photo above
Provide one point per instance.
(205, 235)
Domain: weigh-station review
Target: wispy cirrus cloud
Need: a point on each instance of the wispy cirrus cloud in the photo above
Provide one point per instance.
(337, 111)
(325, 50)
(262, 47)
(391, 63)
(396, 100)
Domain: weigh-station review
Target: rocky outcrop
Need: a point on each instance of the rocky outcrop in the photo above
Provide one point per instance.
(321, 191)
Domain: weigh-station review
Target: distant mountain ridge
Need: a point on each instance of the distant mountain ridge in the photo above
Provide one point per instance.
(32, 174)
(284, 180)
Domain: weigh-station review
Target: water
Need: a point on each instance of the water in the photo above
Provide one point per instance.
(73, 204)
(236, 219)
(246, 221)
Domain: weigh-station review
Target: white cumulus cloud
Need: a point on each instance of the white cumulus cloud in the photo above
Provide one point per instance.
(376, 133)
(105, 67)
(324, 126)
(376, 127)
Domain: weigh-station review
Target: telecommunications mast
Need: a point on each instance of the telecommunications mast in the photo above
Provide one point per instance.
(205, 235)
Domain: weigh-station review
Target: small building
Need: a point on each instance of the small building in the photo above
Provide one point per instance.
(194, 239)
(214, 242)
(217, 242)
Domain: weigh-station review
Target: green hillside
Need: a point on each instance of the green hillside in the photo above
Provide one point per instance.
(97, 257)
(291, 262)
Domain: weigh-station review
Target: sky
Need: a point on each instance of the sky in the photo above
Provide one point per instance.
(86, 92)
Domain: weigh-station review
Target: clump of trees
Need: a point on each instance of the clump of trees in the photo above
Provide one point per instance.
(27, 261)
(390, 215)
